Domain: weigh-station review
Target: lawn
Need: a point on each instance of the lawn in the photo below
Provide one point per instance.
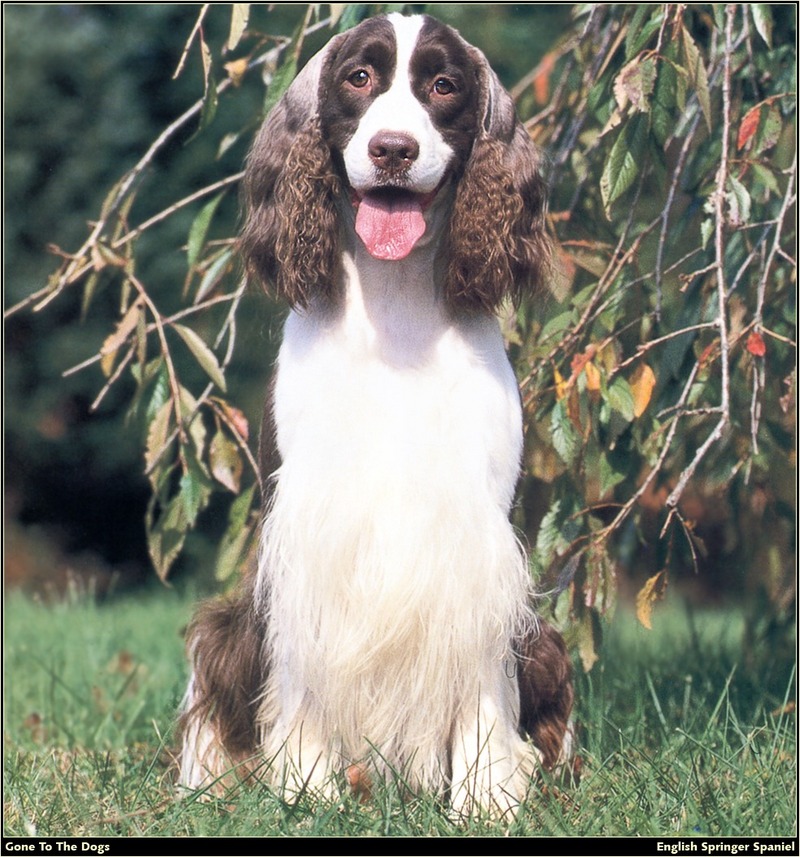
(680, 735)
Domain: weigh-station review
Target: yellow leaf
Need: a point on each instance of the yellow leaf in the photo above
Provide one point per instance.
(561, 385)
(336, 12)
(236, 70)
(642, 383)
(118, 337)
(592, 377)
(587, 641)
(157, 434)
(647, 596)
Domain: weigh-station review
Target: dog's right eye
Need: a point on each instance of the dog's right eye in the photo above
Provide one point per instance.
(359, 79)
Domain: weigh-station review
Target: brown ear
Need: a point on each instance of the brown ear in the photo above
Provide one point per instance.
(498, 246)
(290, 239)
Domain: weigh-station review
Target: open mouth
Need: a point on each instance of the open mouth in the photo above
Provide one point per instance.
(390, 220)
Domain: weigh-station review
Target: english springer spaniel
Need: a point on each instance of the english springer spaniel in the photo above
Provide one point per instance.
(394, 200)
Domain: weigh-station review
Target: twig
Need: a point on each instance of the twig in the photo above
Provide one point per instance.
(788, 199)
(176, 206)
(173, 378)
(114, 376)
(719, 244)
(198, 23)
(646, 346)
(168, 321)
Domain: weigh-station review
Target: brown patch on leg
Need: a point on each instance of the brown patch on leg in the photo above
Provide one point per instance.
(226, 647)
(544, 676)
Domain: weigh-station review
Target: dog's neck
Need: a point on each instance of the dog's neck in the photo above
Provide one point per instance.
(395, 309)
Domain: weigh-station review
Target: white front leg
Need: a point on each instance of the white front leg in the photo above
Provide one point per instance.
(294, 747)
(492, 765)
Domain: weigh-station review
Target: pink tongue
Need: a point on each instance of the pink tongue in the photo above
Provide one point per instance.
(390, 225)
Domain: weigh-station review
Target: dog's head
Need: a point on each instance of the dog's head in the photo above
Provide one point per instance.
(390, 119)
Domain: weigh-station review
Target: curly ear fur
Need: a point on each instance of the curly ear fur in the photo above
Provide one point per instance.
(290, 240)
(497, 244)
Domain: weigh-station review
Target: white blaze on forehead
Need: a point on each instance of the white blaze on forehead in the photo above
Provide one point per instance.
(406, 32)
(398, 110)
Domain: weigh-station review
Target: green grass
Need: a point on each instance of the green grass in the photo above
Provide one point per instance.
(679, 736)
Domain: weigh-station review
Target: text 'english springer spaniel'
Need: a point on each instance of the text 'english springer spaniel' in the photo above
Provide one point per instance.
(394, 200)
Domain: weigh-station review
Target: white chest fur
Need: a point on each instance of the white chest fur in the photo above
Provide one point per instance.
(400, 437)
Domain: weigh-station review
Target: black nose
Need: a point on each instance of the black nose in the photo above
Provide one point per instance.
(393, 151)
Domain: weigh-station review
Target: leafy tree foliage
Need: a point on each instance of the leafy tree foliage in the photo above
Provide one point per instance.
(657, 373)
(665, 369)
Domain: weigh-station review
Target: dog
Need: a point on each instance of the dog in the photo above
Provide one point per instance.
(394, 200)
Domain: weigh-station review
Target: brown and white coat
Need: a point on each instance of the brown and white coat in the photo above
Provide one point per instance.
(394, 200)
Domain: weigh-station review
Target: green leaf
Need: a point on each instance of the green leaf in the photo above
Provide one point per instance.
(210, 88)
(240, 14)
(623, 163)
(155, 368)
(556, 326)
(565, 440)
(765, 177)
(738, 202)
(620, 398)
(640, 30)
(89, 289)
(226, 461)
(157, 433)
(769, 129)
(204, 355)
(609, 475)
(166, 536)
(280, 82)
(353, 14)
(213, 275)
(698, 76)
(194, 494)
(199, 230)
(762, 18)
(549, 536)
(706, 230)
(238, 535)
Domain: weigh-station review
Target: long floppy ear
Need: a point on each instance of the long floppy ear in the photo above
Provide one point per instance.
(497, 242)
(290, 236)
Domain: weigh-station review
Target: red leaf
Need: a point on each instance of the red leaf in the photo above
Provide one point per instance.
(541, 82)
(756, 344)
(749, 126)
(579, 361)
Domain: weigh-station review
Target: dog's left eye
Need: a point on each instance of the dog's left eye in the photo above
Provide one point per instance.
(443, 86)
(359, 79)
